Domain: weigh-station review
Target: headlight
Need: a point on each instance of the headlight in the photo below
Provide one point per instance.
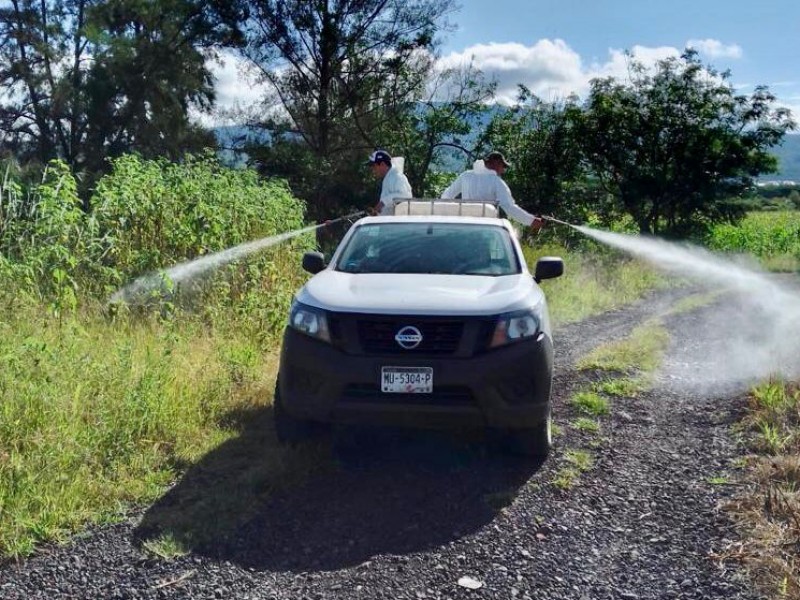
(310, 321)
(516, 326)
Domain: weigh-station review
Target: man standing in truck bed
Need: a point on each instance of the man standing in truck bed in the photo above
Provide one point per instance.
(483, 182)
(394, 183)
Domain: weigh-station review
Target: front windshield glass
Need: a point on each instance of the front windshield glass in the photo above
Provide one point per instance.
(444, 248)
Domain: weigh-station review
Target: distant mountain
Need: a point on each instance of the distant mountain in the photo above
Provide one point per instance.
(230, 137)
(788, 160)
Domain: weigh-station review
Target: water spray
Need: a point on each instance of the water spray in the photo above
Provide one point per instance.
(750, 335)
(188, 270)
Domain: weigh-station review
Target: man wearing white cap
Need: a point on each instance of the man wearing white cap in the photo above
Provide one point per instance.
(483, 182)
(395, 183)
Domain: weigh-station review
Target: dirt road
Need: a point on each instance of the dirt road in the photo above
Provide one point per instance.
(409, 516)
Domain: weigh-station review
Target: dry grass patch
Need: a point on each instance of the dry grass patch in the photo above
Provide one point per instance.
(768, 513)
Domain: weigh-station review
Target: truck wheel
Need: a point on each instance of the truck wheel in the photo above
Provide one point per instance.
(535, 441)
(290, 430)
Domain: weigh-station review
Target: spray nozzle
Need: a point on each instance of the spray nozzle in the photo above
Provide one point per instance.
(554, 220)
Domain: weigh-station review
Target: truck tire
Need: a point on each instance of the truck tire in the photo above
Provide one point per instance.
(534, 442)
(290, 430)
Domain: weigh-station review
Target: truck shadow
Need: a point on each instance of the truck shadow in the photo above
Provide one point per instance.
(334, 505)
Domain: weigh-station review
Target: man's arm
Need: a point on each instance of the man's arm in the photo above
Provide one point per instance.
(507, 203)
(454, 189)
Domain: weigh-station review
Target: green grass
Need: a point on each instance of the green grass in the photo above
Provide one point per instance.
(642, 350)
(719, 480)
(566, 478)
(781, 263)
(774, 417)
(623, 387)
(586, 424)
(580, 459)
(99, 415)
(165, 546)
(590, 403)
(693, 302)
(591, 285)
(772, 237)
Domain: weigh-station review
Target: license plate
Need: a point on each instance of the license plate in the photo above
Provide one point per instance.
(407, 380)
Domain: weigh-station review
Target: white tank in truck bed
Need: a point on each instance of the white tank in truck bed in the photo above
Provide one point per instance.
(450, 208)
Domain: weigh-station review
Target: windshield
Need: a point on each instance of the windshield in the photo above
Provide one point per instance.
(444, 248)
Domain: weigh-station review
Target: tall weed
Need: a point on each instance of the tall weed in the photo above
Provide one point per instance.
(592, 283)
(773, 237)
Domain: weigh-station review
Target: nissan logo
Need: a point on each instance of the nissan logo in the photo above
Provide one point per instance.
(408, 337)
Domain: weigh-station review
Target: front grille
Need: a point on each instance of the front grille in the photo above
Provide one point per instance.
(441, 396)
(438, 337)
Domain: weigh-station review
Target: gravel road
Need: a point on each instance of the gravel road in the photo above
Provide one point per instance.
(409, 516)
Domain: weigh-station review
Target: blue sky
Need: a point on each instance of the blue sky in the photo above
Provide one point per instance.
(555, 46)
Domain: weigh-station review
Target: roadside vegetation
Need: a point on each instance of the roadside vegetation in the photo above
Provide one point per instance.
(773, 237)
(595, 280)
(102, 407)
(768, 510)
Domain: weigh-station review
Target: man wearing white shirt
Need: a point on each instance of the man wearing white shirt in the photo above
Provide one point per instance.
(395, 183)
(483, 182)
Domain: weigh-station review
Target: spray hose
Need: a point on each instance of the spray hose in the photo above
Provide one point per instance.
(343, 218)
(554, 220)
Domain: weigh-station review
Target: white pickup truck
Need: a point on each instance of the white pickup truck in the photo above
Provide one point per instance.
(426, 318)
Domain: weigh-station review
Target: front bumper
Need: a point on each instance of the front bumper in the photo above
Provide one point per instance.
(507, 387)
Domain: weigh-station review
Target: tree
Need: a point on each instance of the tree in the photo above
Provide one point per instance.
(548, 174)
(336, 68)
(43, 52)
(89, 79)
(677, 146)
(441, 119)
(150, 71)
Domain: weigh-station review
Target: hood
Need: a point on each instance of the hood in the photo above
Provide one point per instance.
(480, 167)
(413, 294)
(399, 163)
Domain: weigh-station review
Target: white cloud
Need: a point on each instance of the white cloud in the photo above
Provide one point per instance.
(618, 63)
(793, 104)
(236, 89)
(716, 49)
(234, 84)
(549, 68)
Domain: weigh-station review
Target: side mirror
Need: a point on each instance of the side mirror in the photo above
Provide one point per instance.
(548, 267)
(313, 262)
